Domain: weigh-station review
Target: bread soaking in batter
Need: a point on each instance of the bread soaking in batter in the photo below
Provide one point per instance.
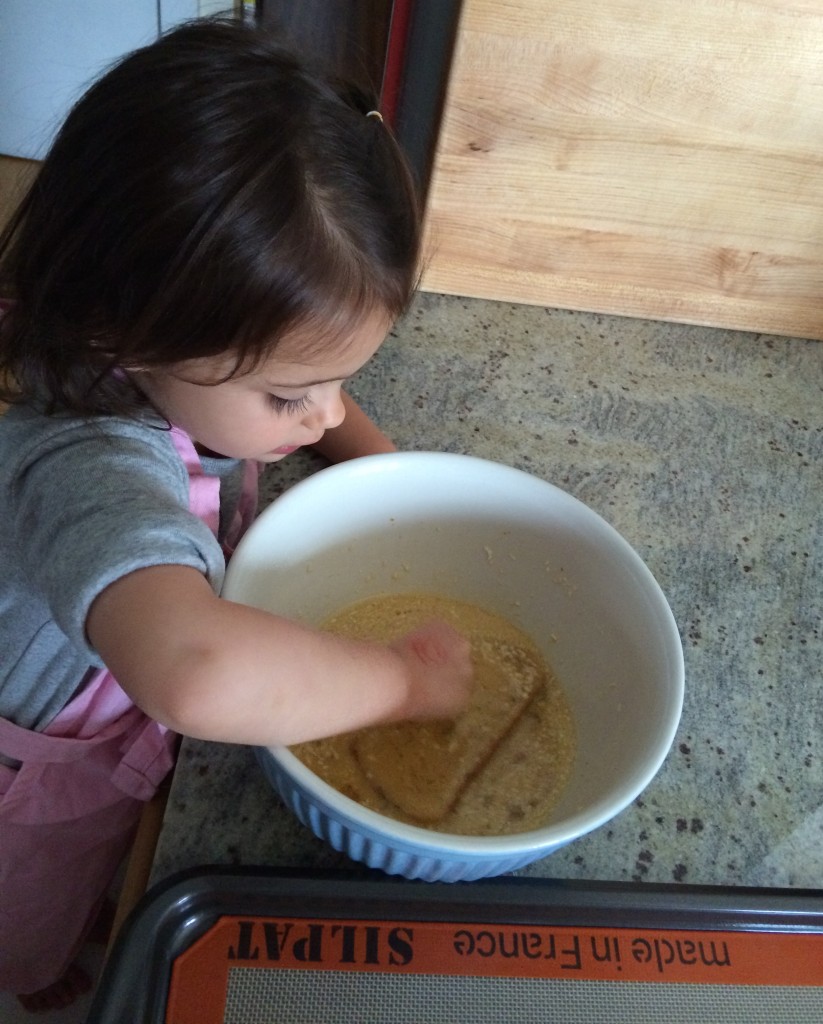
(499, 768)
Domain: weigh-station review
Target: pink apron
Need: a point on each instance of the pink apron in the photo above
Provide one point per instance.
(68, 813)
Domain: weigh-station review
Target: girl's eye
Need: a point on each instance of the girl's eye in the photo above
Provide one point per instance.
(290, 405)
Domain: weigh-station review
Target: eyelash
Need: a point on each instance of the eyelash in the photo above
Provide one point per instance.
(290, 405)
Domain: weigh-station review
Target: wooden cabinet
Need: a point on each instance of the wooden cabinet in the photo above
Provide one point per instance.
(350, 36)
(400, 49)
(652, 158)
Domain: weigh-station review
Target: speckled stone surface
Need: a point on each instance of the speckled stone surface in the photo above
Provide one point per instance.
(704, 448)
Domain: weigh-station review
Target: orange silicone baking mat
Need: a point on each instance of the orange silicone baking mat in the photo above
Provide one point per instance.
(261, 947)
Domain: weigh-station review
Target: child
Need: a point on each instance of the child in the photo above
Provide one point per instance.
(217, 240)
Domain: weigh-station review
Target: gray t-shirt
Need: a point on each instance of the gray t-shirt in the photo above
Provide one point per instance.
(82, 503)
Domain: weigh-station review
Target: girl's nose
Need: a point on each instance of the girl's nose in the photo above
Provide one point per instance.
(327, 409)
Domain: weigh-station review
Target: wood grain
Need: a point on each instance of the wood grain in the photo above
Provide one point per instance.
(644, 157)
(139, 860)
(15, 177)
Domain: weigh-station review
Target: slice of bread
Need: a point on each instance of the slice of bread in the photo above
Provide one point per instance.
(423, 768)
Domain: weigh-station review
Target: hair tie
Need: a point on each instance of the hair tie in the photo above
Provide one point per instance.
(375, 113)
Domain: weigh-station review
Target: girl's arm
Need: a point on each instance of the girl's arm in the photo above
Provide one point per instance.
(213, 669)
(357, 435)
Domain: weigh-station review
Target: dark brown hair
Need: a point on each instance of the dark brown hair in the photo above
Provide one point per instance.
(208, 194)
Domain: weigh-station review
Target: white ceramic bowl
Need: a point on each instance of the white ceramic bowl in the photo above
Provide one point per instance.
(482, 532)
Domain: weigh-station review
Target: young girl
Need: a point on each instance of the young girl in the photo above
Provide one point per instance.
(217, 240)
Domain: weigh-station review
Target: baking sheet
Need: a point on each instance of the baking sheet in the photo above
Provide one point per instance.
(222, 946)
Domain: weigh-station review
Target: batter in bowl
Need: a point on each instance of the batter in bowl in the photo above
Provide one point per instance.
(499, 768)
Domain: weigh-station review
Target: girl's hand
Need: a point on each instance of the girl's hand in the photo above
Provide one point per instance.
(438, 660)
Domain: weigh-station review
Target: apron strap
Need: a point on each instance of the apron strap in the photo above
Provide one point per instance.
(26, 745)
(204, 491)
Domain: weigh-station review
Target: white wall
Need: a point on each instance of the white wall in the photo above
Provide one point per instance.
(50, 50)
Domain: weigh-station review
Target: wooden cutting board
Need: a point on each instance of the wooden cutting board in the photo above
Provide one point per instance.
(654, 158)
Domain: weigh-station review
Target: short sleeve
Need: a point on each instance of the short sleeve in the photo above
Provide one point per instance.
(97, 500)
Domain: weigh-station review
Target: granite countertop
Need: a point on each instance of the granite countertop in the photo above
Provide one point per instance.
(704, 448)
